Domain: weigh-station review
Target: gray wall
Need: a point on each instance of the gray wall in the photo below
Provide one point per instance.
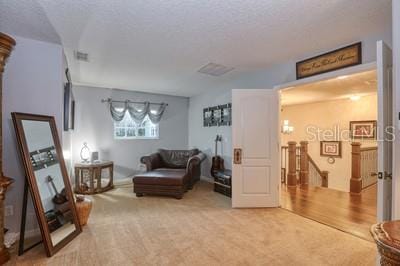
(32, 83)
(203, 137)
(95, 126)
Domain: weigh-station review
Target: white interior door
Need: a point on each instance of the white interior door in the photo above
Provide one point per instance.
(255, 141)
(385, 131)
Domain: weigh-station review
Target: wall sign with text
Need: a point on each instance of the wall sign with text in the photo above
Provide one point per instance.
(334, 60)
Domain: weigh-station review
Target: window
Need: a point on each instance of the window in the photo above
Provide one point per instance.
(127, 129)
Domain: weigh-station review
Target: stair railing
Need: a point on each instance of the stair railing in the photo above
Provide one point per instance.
(297, 167)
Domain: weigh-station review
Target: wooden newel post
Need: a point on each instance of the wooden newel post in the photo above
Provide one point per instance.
(355, 181)
(292, 175)
(304, 163)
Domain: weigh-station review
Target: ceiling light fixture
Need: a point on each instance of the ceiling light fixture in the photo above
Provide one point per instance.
(343, 77)
(355, 98)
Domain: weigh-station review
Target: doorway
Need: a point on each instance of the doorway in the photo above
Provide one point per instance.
(329, 154)
(256, 144)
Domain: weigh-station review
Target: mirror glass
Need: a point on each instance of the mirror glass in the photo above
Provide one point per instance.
(49, 179)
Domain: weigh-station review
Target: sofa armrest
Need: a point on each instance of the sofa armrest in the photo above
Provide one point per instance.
(152, 161)
(193, 167)
(198, 158)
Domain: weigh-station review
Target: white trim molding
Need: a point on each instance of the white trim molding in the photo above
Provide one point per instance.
(396, 99)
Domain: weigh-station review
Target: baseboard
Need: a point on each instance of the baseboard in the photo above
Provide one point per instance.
(207, 179)
(122, 181)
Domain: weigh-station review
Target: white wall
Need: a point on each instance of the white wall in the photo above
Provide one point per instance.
(330, 115)
(95, 126)
(202, 137)
(32, 83)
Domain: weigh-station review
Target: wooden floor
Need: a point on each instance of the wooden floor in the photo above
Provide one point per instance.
(341, 210)
(200, 229)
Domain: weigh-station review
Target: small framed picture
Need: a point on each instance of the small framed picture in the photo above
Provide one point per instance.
(207, 117)
(226, 115)
(215, 116)
(363, 129)
(331, 149)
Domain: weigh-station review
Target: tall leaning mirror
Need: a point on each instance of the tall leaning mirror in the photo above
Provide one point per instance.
(48, 180)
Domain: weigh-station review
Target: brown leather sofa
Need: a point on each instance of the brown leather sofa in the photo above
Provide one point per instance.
(169, 172)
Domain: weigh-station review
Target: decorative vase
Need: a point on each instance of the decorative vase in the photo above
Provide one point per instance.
(83, 208)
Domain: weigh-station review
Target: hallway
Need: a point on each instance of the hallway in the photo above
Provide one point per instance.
(353, 214)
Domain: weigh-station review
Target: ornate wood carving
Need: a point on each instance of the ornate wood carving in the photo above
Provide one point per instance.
(387, 239)
(6, 45)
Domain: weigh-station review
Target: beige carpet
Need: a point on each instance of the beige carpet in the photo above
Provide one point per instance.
(200, 229)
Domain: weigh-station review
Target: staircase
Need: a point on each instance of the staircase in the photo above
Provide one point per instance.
(298, 168)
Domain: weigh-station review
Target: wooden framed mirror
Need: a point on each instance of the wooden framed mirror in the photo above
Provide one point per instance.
(48, 179)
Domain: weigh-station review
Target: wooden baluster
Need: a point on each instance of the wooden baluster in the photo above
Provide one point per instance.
(304, 164)
(355, 181)
(324, 176)
(292, 175)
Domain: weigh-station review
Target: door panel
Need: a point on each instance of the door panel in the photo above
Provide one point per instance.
(255, 127)
(385, 129)
(258, 180)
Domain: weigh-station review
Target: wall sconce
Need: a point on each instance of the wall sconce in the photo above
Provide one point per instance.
(286, 129)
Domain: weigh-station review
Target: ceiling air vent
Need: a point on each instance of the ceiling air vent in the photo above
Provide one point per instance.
(214, 69)
(81, 56)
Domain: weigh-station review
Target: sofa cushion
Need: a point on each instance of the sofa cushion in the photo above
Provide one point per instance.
(176, 158)
(162, 177)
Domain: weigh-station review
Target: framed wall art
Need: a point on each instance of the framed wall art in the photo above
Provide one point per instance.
(331, 149)
(216, 116)
(363, 129)
(69, 104)
(226, 114)
(220, 115)
(207, 117)
(334, 60)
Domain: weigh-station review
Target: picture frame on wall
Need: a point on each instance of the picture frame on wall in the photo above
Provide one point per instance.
(220, 115)
(331, 149)
(215, 116)
(226, 114)
(69, 104)
(207, 117)
(363, 129)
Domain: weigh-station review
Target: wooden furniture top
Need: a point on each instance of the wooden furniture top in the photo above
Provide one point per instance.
(6, 45)
(387, 233)
(94, 165)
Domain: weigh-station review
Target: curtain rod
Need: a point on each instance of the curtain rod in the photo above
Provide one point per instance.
(109, 100)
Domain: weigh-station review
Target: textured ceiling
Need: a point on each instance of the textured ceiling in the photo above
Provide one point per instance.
(26, 18)
(359, 84)
(158, 46)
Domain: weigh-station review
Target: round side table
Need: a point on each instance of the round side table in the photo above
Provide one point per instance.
(89, 177)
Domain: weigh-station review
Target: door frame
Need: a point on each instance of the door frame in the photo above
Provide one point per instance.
(343, 72)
